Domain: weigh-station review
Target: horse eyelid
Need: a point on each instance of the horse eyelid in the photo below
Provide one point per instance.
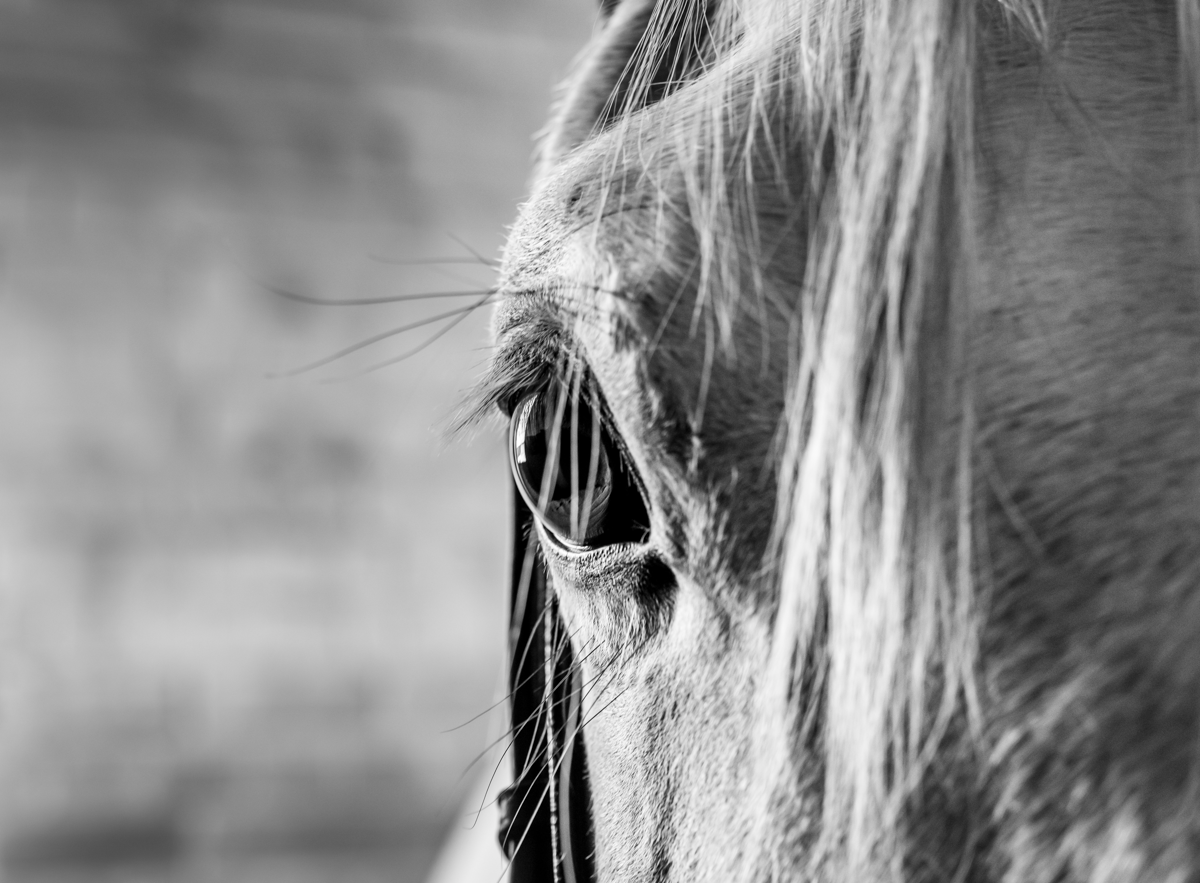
(536, 375)
(522, 370)
(515, 373)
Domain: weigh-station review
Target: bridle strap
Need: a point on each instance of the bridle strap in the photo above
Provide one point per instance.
(545, 824)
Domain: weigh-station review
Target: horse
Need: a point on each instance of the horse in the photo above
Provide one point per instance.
(850, 353)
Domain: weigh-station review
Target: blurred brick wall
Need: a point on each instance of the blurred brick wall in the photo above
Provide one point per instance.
(238, 613)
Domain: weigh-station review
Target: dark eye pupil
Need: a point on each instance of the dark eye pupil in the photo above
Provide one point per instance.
(570, 473)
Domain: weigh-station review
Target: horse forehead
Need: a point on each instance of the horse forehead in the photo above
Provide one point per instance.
(605, 251)
(594, 253)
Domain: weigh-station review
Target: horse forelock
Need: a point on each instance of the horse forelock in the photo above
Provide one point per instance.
(883, 96)
(872, 689)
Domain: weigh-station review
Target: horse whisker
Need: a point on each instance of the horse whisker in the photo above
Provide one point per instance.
(474, 261)
(460, 312)
(471, 251)
(463, 314)
(371, 301)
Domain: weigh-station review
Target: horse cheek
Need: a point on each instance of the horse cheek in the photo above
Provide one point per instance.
(669, 747)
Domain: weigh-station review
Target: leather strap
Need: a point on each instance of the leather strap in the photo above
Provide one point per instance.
(545, 822)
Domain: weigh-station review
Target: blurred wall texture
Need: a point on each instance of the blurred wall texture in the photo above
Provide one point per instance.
(239, 616)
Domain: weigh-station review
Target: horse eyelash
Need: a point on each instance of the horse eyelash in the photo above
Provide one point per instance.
(533, 362)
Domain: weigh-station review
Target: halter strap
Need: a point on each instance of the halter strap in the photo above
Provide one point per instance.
(545, 823)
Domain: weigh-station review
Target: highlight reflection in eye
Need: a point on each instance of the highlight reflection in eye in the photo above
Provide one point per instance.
(570, 472)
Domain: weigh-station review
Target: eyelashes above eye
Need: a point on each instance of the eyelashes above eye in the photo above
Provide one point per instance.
(571, 473)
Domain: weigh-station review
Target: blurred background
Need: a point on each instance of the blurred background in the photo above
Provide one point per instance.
(241, 617)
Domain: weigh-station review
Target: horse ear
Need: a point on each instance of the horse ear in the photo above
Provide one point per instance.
(590, 96)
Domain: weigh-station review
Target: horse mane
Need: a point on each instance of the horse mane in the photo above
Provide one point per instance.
(873, 675)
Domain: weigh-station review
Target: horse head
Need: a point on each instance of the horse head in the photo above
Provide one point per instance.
(851, 354)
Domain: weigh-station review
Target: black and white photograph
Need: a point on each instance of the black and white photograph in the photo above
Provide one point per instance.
(599, 441)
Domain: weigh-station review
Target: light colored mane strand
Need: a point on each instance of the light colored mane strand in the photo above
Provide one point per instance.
(877, 622)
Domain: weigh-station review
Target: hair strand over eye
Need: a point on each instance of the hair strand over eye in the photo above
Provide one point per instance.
(571, 472)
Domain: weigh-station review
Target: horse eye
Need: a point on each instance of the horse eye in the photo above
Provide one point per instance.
(571, 473)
